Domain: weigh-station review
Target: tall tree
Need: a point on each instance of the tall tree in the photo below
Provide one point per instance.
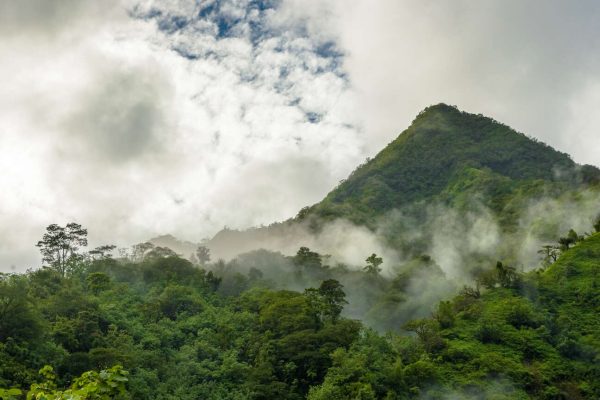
(328, 300)
(333, 297)
(507, 275)
(307, 258)
(60, 245)
(373, 263)
(203, 255)
(102, 252)
(549, 254)
(140, 250)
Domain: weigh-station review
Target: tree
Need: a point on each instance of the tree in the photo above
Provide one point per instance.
(10, 394)
(328, 300)
(18, 317)
(177, 299)
(445, 314)
(333, 297)
(427, 331)
(102, 252)
(571, 239)
(487, 278)
(97, 282)
(597, 224)
(549, 254)
(307, 258)
(507, 276)
(303, 213)
(255, 274)
(373, 263)
(213, 282)
(59, 245)
(140, 250)
(471, 292)
(160, 252)
(203, 255)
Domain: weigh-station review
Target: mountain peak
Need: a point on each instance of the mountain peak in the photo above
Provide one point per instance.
(443, 148)
(440, 107)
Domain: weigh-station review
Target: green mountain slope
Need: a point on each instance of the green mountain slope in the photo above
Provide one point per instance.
(448, 162)
(534, 336)
(449, 155)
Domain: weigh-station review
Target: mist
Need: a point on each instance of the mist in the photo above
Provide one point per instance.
(426, 258)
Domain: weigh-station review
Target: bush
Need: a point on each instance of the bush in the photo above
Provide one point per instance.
(489, 332)
(522, 315)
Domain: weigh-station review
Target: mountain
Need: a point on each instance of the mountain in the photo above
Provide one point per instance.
(448, 159)
(182, 247)
(447, 155)
(485, 321)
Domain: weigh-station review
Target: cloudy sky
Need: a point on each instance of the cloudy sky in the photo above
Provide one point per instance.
(139, 117)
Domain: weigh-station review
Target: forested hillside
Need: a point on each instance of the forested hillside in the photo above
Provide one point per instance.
(448, 155)
(447, 166)
(181, 332)
(478, 277)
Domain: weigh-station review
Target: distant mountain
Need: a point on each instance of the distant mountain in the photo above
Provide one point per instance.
(182, 247)
(448, 155)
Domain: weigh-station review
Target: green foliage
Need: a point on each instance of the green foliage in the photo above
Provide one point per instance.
(105, 385)
(186, 333)
(59, 246)
(370, 369)
(19, 319)
(328, 300)
(10, 394)
(532, 336)
(174, 301)
(373, 263)
(91, 385)
(568, 241)
(307, 259)
(428, 332)
(502, 275)
(507, 276)
(445, 314)
(98, 282)
(451, 156)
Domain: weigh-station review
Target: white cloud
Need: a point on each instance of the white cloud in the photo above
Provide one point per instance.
(522, 63)
(137, 118)
(165, 121)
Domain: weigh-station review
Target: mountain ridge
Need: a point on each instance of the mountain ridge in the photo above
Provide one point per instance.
(441, 144)
(446, 156)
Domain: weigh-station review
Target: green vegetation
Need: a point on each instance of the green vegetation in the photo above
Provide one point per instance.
(537, 336)
(105, 385)
(269, 326)
(178, 335)
(451, 156)
(164, 320)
